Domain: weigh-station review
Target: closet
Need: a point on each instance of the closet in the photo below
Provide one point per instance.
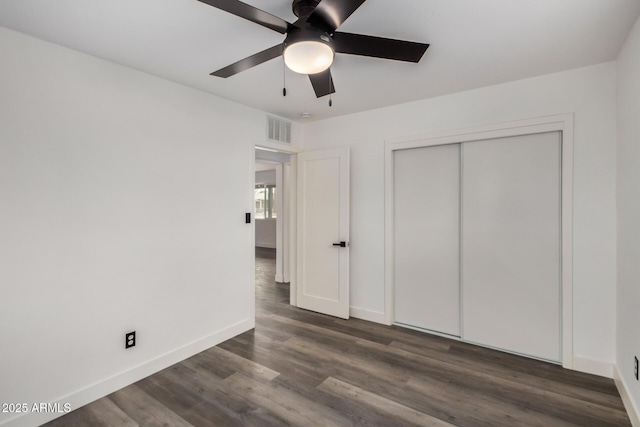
(477, 242)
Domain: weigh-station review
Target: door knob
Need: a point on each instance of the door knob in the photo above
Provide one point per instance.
(341, 244)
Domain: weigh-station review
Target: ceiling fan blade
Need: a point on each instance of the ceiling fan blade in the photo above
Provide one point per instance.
(330, 14)
(250, 13)
(359, 44)
(251, 61)
(322, 83)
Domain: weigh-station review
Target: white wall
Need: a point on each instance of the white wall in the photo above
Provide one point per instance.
(122, 200)
(588, 92)
(266, 228)
(266, 233)
(628, 336)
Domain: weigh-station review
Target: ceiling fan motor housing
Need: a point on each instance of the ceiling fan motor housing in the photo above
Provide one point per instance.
(308, 34)
(303, 8)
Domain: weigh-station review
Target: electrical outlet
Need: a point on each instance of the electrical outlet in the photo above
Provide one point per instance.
(635, 367)
(129, 339)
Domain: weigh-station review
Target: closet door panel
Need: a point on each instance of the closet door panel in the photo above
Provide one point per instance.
(511, 270)
(426, 242)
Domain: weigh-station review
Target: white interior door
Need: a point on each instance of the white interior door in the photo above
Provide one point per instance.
(511, 271)
(323, 226)
(426, 238)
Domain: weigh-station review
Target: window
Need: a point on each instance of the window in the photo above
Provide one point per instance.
(265, 201)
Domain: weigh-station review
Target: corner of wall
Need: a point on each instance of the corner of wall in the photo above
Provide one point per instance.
(594, 367)
(629, 405)
(628, 229)
(368, 315)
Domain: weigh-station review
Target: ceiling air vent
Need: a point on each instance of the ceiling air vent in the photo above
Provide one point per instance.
(278, 130)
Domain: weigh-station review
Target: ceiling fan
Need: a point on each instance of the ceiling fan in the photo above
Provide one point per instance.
(311, 41)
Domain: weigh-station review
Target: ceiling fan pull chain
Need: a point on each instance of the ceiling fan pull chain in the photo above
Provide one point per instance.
(330, 101)
(284, 78)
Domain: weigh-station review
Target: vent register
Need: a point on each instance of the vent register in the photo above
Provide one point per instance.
(278, 130)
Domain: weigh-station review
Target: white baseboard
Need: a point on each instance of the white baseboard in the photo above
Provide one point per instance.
(629, 405)
(591, 366)
(369, 315)
(107, 386)
(279, 278)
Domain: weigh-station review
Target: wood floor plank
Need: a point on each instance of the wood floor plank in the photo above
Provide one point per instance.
(276, 330)
(110, 414)
(279, 359)
(208, 401)
(390, 360)
(548, 402)
(390, 411)
(171, 388)
(144, 409)
(471, 408)
(101, 413)
(368, 365)
(288, 405)
(534, 367)
(383, 377)
(367, 373)
(564, 400)
(298, 328)
(217, 356)
(394, 333)
(468, 366)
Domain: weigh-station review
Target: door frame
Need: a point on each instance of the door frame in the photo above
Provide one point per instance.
(559, 122)
(281, 221)
(290, 203)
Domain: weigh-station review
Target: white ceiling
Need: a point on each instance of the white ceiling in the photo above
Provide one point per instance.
(474, 43)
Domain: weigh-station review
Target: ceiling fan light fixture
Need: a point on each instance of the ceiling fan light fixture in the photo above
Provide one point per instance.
(306, 53)
(311, 41)
(308, 57)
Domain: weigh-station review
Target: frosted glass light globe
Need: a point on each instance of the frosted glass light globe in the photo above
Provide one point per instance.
(308, 57)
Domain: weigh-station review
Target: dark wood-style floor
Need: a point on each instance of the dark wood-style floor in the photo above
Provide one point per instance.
(305, 369)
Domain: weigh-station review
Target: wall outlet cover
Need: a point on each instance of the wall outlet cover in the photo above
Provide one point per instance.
(129, 339)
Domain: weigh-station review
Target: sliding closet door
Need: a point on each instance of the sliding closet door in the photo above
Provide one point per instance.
(426, 242)
(511, 277)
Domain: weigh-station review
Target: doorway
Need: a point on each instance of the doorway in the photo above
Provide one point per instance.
(271, 222)
(312, 225)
